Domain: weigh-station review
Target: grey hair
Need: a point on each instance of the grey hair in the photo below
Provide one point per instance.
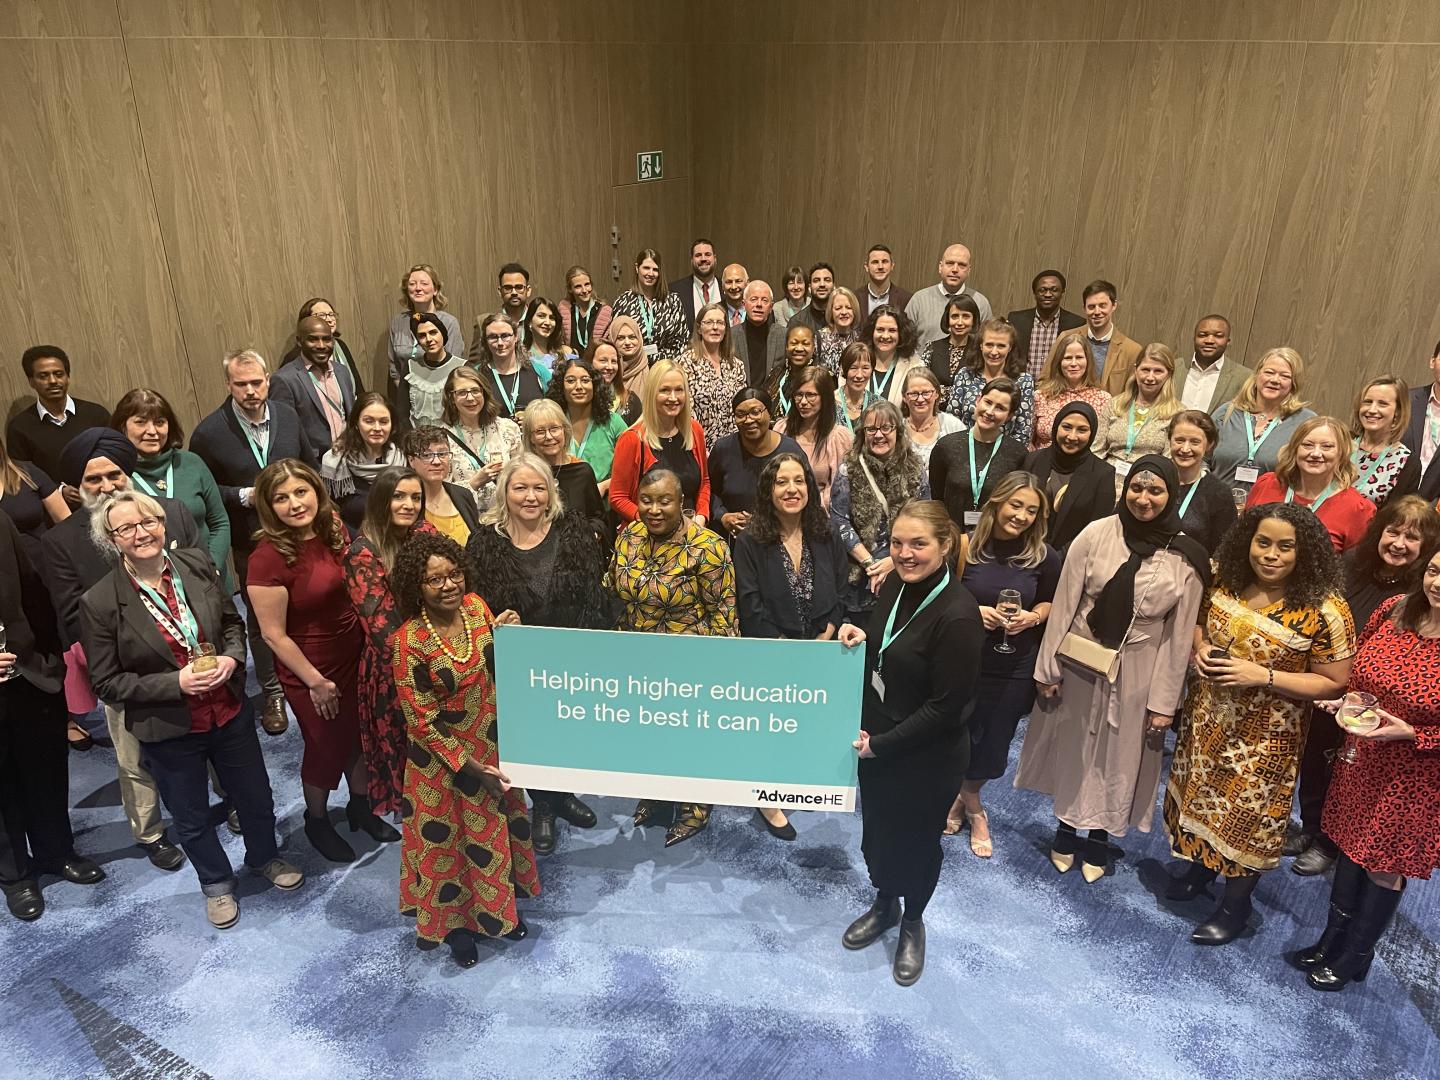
(248, 356)
(100, 517)
(499, 514)
(763, 284)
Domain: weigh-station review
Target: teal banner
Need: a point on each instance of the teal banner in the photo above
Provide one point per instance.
(733, 721)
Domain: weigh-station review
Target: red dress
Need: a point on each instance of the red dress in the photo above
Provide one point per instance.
(1384, 809)
(1346, 514)
(321, 620)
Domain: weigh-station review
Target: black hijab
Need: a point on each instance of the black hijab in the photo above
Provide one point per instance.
(1115, 606)
(1060, 461)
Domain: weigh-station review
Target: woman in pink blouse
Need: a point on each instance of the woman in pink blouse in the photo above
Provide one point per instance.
(812, 423)
(1068, 376)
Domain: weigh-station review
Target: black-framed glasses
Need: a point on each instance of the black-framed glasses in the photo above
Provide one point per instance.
(433, 455)
(127, 531)
(500, 337)
(438, 581)
(880, 429)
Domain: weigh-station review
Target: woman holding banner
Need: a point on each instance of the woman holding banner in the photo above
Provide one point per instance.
(921, 665)
(673, 577)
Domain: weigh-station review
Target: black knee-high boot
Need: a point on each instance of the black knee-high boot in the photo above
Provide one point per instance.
(1344, 899)
(1351, 961)
(1229, 919)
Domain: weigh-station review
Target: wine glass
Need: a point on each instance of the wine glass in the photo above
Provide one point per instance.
(1240, 495)
(1008, 605)
(1356, 714)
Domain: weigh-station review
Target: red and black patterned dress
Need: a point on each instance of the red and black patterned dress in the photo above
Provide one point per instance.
(1384, 809)
(465, 855)
(382, 723)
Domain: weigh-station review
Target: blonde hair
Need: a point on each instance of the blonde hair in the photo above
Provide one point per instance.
(1287, 461)
(1052, 382)
(1402, 407)
(1033, 552)
(544, 409)
(13, 479)
(1248, 399)
(1166, 404)
(100, 522)
(649, 408)
(841, 290)
(932, 514)
(438, 299)
(498, 515)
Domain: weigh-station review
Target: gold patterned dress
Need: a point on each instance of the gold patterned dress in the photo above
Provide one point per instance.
(464, 855)
(1227, 802)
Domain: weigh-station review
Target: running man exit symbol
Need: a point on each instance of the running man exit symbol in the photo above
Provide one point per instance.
(649, 165)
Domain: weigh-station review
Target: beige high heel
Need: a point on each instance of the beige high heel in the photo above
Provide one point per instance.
(1061, 862)
(984, 848)
(955, 820)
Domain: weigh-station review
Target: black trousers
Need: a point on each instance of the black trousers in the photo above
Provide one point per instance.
(34, 781)
(179, 767)
(1316, 767)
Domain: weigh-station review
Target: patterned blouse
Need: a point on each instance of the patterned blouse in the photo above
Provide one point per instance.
(1046, 409)
(469, 450)
(829, 348)
(969, 385)
(711, 392)
(684, 586)
(661, 324)
(1378, 472)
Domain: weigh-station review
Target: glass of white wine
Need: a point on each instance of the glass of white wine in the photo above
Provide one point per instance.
(1008, 605)
(1356, 715)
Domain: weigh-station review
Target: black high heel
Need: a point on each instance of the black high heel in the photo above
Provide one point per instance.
(520, 933)
(463, 950)
(324, 839)
(363, 819)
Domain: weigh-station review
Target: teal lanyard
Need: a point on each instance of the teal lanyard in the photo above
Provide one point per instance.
(508, 398)
(167, 486)
(890, 632)
(1253, 442)
(580, 328)
(977, 479)
(337, 406)
(1185, 502)
(188, 630)
(784, 401)
(879, 389)
(1132, 432)
(649, 313)
(1367, 471)
(262, 453)
(579, 451)
(1314, 506)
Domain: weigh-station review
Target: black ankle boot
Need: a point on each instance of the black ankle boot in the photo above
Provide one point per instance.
(542, 828)
(910, 953)
(866, 930)
(1195, 881)
(1095, 855)
(1344, 900)
(1229, 919)
(463, 950)
(329, 843)
(363, 819)
(1351, 961)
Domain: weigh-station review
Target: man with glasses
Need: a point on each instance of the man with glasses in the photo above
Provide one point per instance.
(512, 286)
(98, 462)
(236, 441)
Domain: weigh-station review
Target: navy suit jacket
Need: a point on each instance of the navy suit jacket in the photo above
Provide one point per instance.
(685, 289)
(292, 386)
(1414, 437)
(219, 442)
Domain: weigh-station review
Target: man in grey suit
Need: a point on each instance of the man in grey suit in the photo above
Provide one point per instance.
(1422, 435)
(760, 340)
(1209, 378)
(321, 393)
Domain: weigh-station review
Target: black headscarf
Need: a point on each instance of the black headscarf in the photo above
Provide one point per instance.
(1060, 461)
(1115, 606)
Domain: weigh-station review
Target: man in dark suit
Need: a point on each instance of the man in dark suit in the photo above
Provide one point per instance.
(701, 287)
(35, 835)
(760, 339)
(879, 287)
(1037, 328)
(236, 441)
(1422, 435)
(321, 393)
(99, 463)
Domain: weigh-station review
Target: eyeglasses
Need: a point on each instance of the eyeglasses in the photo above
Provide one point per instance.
(880, 429)
(433, 455)
(438, 581)
(126, 532)
(513, 288)
(919, 395)
(547, 432)
(806, 395)
(500, 337)
(468, 393)
(752, 414)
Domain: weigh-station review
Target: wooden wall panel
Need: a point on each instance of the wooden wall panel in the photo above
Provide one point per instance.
(58, 18)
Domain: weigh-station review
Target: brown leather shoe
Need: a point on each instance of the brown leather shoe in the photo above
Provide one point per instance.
(273, 719)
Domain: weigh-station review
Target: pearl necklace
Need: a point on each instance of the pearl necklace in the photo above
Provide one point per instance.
(458, 657)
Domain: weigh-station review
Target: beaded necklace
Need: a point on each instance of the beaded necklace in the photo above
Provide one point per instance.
(458, 657)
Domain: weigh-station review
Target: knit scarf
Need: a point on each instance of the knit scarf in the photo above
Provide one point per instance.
(898, 478)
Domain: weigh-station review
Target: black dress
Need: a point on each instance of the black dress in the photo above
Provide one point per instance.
(918, 733)
(1211, 511)
(950, 471)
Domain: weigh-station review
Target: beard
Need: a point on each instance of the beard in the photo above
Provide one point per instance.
(97, 501)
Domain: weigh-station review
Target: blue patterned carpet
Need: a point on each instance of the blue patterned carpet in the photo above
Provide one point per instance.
(719, 958)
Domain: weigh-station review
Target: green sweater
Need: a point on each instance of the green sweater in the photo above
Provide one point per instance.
(599, 448)
(196, 488)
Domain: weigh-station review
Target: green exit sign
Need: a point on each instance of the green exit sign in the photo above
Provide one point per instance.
(649, 165)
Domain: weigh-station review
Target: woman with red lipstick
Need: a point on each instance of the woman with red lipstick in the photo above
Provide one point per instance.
(667, 435)
(1315, 470)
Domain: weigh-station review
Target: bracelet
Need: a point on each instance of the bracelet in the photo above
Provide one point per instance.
(873, 562)
(1270, 685)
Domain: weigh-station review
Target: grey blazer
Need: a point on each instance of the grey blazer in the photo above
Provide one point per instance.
(292, 386)
(774, 349)
(130, 662)
(1232, 378)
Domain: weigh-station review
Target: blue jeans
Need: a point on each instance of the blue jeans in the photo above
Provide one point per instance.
(179, 769)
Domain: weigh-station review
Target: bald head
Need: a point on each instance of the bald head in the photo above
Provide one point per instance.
(758, 301)
(316, 340)
(954, 267)
(733, 280)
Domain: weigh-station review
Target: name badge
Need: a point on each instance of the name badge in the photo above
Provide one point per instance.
(1122, 469)
(1247, 474)
(972, 518)
(652, 351)
(878, 685)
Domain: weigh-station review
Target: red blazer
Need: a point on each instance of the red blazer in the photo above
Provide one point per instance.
(634, 458)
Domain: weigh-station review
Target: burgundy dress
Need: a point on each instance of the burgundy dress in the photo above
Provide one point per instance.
(1383, 809)
(321, 620)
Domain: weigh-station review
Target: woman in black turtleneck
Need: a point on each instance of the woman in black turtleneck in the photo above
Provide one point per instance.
(921, 660)
(1080, 487)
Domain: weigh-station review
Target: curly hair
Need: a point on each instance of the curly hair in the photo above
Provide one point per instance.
(410, 566)
(1316, 576)
(602, 396)
(765, 522)
(909, 336)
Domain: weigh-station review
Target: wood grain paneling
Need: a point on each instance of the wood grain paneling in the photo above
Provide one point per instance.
(58, 19)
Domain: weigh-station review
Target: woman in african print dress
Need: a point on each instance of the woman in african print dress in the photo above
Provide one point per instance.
(465, 856)
(1274, 636)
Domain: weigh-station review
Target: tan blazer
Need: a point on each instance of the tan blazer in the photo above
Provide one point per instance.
(1119, 361)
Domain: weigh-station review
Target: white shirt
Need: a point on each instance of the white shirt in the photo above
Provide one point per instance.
(65, 414)
(1200, 384)
(1430, 435)
(698, 287)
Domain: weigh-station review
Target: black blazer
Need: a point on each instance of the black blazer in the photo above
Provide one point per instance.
(31, 632)
(950, 472)
(762, 591)
(75, 564)
(292, 386)
(1024, 323)
(464, 500)
(1415, 436)
(130, 662)
(1090, 496)
(219, 441)
(685, 289)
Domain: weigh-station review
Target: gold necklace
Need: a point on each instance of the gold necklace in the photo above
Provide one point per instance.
(458, 657)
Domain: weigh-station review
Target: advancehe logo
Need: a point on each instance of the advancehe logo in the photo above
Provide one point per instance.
(794, 798)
